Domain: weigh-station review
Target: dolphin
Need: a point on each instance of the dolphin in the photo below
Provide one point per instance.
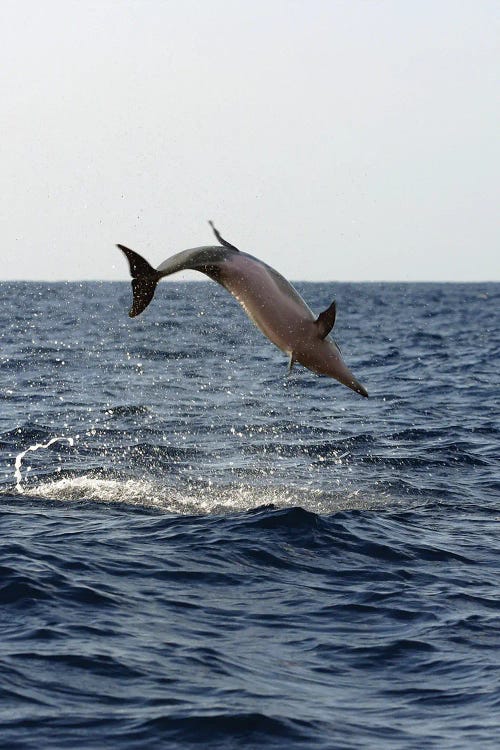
(269, 300)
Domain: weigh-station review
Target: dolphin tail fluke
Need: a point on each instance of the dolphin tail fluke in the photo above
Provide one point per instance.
(144, 280)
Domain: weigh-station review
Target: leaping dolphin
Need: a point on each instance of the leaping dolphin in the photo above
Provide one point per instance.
(268, 299)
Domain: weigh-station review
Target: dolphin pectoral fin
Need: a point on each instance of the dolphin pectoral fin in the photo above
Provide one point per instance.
(144, 280)
(221, 239)
(326, 320)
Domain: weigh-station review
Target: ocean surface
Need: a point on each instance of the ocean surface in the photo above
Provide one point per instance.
(215, 555)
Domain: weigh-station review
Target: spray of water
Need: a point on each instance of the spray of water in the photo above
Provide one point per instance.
(37, 446)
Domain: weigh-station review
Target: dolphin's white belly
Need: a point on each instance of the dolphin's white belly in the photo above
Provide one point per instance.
(269, 300)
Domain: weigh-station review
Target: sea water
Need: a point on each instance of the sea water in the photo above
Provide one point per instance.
(199, 551)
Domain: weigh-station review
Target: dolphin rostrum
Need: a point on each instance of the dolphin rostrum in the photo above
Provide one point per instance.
(268, 299)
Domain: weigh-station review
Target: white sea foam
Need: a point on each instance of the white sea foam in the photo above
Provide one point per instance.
(193, 498)
(196, 499)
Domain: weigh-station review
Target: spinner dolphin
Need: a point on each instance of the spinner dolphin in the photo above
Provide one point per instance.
(268, 299)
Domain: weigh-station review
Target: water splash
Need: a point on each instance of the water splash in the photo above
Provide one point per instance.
(37, 446)
(201, 500)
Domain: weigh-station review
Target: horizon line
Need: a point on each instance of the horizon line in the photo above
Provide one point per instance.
(293, 281)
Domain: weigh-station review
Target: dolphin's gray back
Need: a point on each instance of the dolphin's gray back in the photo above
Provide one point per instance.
(205, 259)
(211, 259)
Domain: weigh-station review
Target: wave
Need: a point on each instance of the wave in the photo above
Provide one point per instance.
(224, 727)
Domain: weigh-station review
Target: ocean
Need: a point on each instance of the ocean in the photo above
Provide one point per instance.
(204, 552)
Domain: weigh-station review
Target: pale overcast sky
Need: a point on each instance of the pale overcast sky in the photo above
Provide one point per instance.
(336, 140)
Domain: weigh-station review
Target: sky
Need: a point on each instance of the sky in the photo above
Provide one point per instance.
(351, 140)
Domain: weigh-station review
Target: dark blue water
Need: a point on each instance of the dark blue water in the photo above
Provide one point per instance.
(227, 557)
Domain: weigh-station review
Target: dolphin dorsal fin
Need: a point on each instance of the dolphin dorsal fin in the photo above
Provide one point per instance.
(221, 239)
(326, 320)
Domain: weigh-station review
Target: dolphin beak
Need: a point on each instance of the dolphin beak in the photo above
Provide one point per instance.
(343, 374)
(359, 389)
